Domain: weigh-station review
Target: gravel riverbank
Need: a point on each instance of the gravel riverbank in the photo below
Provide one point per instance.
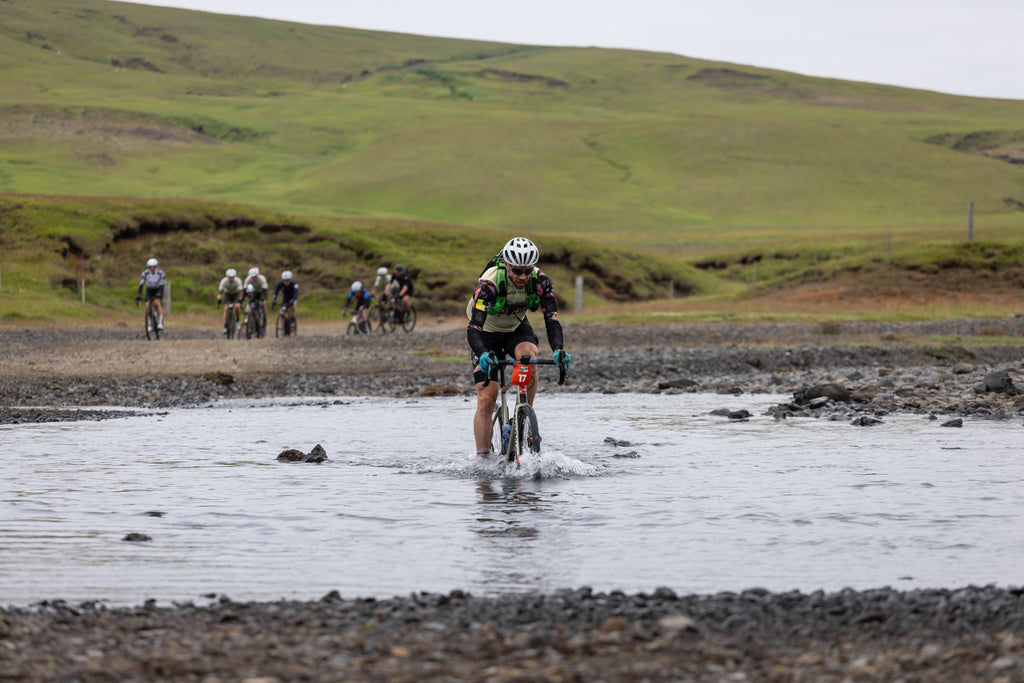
(945, 368)
(949, 369)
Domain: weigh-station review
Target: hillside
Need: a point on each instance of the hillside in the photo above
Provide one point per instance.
(630, 148)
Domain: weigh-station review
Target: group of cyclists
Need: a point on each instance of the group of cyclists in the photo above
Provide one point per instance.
(234, 292)
(390, 289)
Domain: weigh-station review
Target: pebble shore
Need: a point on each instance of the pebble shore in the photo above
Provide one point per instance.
(857, 372)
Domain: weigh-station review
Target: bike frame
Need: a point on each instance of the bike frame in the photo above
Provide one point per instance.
(152, 319)
(520, 415)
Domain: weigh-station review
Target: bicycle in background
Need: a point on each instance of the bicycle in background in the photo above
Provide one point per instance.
(152, 321)
(286, 322)
(255, 324)
(515, 431)
(396, 316)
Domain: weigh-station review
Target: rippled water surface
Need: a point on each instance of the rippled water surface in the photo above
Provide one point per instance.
(694, 502)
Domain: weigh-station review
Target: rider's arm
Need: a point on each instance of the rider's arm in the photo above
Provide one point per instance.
(485, 295)
(550, 309)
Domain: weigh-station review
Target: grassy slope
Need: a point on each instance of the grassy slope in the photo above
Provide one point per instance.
(680, 157)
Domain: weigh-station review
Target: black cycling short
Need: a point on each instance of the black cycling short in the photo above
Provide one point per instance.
(154, 293)
(504, 345)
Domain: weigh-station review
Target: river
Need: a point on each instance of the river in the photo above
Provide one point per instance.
(632, 492)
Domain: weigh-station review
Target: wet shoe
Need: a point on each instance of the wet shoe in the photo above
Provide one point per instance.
(505, 431)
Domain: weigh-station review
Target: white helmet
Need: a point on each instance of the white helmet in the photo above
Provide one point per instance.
(357, 286)
(151, 262)
(286, 275)
(520, 252)
(249, 288)
(231, 272)
(254, 271)
(383, 270)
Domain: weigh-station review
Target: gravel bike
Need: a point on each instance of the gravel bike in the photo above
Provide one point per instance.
(286, 322)
(396, 315)
(514, 428)
(152, 321)
(356, 327)
(234, 325)
(255, 321)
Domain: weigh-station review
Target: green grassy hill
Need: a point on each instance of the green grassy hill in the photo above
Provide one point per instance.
(644, 149)
(362, 136)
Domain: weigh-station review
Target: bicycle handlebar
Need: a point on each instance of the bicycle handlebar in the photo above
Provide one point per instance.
(505, 362)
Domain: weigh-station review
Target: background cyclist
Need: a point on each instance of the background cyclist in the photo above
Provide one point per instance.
(401, 285)
(230, 292)
(289, 291)
(362, 298)
(498, 326)
(382, 284)
(258, 293)
(153, 280)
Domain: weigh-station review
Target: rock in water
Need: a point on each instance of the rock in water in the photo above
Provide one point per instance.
(318, 454)
(291, 455)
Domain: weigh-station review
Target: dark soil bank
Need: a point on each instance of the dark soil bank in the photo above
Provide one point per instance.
(970, 634)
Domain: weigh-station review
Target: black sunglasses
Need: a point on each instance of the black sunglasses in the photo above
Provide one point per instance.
(520, 271)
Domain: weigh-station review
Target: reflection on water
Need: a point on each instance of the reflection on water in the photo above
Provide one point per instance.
(632, 492)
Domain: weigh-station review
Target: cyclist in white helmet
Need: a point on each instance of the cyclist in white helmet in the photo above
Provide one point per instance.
(362, 298)
(259, 291)
(510, 287)
(382, 283)
(288, 288)
(153, 280)
(230, 291)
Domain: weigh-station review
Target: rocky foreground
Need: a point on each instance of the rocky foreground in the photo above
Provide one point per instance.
(952, 370)
(969, 634)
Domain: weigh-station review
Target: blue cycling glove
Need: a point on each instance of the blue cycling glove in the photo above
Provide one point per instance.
(487, 360)
(561, 358)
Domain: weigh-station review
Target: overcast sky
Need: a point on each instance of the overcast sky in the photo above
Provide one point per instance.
(963, 47)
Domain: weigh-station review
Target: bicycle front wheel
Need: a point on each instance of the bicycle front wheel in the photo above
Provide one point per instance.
(527, 435)
(281, 327)
(250, 325)
(352, 329)
(409, 319)
(150, 323)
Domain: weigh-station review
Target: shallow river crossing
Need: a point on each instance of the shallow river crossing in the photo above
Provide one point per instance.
(632, 492)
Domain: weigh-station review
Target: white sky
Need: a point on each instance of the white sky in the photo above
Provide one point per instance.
(963, 47)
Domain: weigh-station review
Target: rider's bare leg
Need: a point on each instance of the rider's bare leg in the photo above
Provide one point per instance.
(528, 349)
(486, 398)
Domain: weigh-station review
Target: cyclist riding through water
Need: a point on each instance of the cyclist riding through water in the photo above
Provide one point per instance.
(289, 291)
(153, 280)
(362, 298)
(230, 292)
(498, 326)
